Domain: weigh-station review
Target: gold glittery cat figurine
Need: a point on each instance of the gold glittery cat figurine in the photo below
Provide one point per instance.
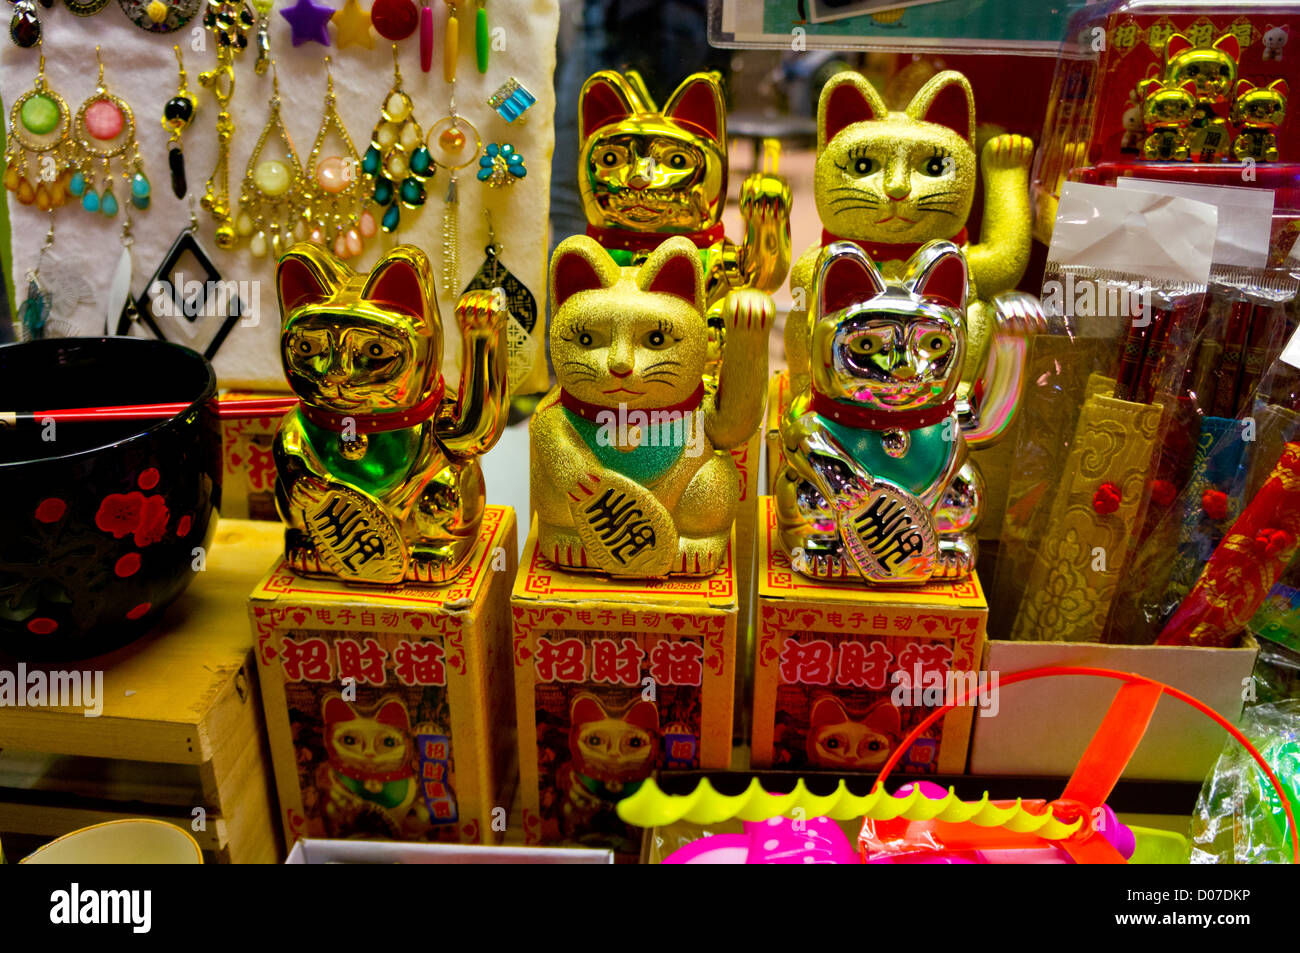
(630, 472)
(377, 469)
(891, 181)
(647, 175)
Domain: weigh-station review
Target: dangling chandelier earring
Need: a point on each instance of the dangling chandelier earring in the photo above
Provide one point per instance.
(40, 146)
(105, 131)
(397, 158)
(336, 187)
(270, 199)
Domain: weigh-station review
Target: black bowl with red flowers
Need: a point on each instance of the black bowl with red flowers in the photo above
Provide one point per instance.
(102, 522)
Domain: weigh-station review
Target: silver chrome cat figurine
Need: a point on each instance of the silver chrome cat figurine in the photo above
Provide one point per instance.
(876, 482)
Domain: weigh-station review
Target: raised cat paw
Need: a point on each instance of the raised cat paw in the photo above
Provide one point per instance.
(765, 197)
(483, 309)
(1008, 152)
(747, 312)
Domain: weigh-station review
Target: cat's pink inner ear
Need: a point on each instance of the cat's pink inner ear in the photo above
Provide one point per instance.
(827, 711)
(586, 709)
(848, 281)
(676, 277)
(336, 709)
(698, 106)
(847, 105)
(1176, 44)
(602, 105)
(951, 108)
(1228, 43)
(945, 283)
(298, 285)
(645, 716)
(574, 273)
(394, 715)
(397, 287)
(885, 719)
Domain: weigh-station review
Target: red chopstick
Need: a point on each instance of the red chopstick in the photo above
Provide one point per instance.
(226, 409)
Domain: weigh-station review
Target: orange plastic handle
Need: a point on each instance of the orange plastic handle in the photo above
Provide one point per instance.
(1112, 741)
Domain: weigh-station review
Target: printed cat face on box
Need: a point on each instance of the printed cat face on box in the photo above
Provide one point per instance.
(619, 747)
(896, 177)
(653, 170)
(837, 741)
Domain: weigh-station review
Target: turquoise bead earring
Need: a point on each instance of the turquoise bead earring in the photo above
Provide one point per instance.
(104, 130)
(397, 158)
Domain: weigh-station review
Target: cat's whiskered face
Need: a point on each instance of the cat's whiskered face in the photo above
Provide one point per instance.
(895, 180)
(889, 346)
(653, 177)
(650, 170)
(613, 747)
(890, 361)
(895, 177)
(368, 744)
(359, 343)
(345, 364)
(632, 337)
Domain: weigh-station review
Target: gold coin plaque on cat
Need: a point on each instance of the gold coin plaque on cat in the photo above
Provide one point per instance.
(629, 452)
(378, 475)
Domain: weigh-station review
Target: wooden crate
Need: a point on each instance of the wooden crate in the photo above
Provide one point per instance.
(181, 727)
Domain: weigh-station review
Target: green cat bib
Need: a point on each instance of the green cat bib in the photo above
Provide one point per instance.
(663, 434)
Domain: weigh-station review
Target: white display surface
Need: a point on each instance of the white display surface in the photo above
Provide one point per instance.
(140, 67)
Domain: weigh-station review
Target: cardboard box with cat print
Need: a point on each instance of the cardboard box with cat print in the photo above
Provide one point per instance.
(389, 710)
(613, 680)
(844, 671)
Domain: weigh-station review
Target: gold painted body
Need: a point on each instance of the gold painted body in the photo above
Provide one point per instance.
(915, 184)
(363, 353)
(633, 340)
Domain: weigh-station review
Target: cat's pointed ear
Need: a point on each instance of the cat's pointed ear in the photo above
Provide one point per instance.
(1176, 44)
(1280, 86)
(938, 273)
(580, 264)
(585, 709)
(699, 103)
(846, 276)
(307, 274)
(946, 100)
(403, 282)
(847, 99)
(674, 268)
(827, 711)
(1229, 44)
(606, 97)
(645, 716)
(393, 714)
(336, 709)
(1244, 86)
(885, 719)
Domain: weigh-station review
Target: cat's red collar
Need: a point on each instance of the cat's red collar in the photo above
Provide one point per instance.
(358, 773)
(628, 240)
(375, 423)
(592, 411)
(860, 418)
(888, 251)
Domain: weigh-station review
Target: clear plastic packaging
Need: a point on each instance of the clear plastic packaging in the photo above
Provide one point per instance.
(1239, 818)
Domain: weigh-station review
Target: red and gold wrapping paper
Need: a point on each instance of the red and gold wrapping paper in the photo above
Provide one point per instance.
(1245, 565)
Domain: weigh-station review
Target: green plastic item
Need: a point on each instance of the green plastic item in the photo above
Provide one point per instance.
(1159, 847)
(482, 39)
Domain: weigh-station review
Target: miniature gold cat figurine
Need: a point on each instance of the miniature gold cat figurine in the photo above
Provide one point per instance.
(1258, 111)
(891, 181)
(629, 465)
(876, 483)
(377, 469)
(647, 175)
(1212, 71)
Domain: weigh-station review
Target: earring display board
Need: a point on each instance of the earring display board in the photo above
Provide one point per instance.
(79, 268)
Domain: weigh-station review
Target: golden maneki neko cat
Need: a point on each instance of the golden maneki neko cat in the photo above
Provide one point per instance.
(378, 475)
(890, 181)
(647, 175)
(630, 467)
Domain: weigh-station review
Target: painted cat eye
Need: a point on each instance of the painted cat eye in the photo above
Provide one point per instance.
(864, 165)
(306, 347)
(656, 339)
(866, 345)
(610, 158)
(585, 340)
(936, 165)
(936, 345)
